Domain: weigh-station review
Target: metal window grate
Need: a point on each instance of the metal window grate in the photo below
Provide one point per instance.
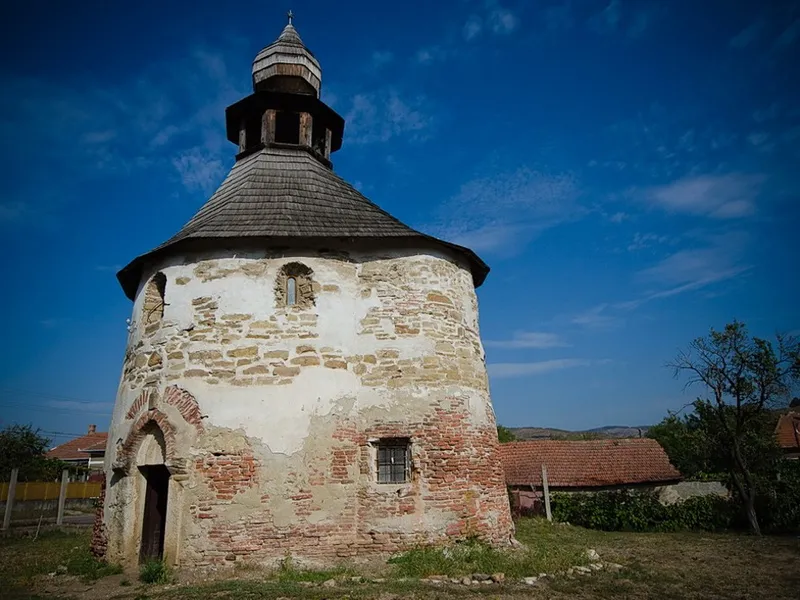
(394, 462)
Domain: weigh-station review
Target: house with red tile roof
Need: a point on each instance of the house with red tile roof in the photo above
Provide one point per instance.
(87, 450)
(788, 433)
(580, 466)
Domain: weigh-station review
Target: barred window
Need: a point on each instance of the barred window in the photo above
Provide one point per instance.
(291, 291)
(394, 461)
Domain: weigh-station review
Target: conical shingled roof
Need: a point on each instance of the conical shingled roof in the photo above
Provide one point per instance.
(287, 50)
(283, 195)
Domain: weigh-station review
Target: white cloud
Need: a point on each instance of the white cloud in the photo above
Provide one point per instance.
(596, 317)
(767, 114)
(502, 21)
(199, 170)
(508, 370)
(728, 196)
(607, 20)
(529, 339)
(689, 269)
(380, 59)
(503, 212)
(697, 267)
(382, 115)
(789, 35)
(472, 28)
(618, 217)
(171, 108)
(646, 240)
(433, 54)
(12, 211)
(748, 35)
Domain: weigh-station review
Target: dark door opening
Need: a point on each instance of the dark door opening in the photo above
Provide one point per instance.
(155, 512)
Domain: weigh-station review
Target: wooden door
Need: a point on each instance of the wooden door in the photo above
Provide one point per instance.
(154, 520)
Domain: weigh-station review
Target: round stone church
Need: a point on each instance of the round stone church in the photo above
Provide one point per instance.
(304, 374)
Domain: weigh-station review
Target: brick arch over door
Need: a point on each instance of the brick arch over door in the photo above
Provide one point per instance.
(126, 453)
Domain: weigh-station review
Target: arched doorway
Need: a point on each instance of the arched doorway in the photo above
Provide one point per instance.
(150, 461)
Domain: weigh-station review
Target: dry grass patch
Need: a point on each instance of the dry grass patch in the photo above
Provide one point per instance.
(658, 565)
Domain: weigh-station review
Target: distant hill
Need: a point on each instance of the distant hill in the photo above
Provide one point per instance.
(610, 431)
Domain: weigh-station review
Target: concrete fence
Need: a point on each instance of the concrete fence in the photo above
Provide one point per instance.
(50, 490)
(23, 501)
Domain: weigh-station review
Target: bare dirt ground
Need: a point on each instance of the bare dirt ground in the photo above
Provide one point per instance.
(665, 566)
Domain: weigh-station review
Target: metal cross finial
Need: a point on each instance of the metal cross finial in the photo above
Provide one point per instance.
(290, 14)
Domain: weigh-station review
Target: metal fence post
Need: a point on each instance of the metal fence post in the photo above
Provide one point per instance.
(62, 496)
(12, 490)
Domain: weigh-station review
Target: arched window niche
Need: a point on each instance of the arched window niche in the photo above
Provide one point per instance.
(294, 286)
(153, 308)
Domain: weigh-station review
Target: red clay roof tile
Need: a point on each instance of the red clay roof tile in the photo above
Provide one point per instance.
(592, 463)
(77, 449)
(788, 431)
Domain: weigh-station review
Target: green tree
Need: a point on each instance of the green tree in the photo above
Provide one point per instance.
(744, 377)
(23, 447)
(505, 435)
(686, 441)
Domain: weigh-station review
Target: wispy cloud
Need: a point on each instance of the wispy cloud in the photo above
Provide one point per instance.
(696, 267)
(199, 169)
(646, 240)
(789, 35)
(748, 35)
(608, 19)
(728, 196)
(613, 18)
(381, 58)
(720, 259)
(525, 369)
(472, 28)
(94, 408)
(53, 322)
(173, 107)
(503, 212)
(502, 21)
(529, 339)
(384, 114)
(491, 20)
(596, 317)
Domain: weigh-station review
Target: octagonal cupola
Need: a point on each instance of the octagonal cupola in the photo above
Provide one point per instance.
(286, 65)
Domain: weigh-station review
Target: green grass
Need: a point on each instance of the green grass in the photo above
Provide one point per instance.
(667, 566)
(22, 559)
(155, 571)
(289, 572)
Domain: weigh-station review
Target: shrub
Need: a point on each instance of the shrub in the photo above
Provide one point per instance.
(627, 510)
(154, 571)
(777, 504)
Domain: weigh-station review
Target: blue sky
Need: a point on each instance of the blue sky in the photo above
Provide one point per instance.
(629, 170)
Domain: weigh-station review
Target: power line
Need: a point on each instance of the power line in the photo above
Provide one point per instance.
(42, 408)
(62, 433)
(46, 395)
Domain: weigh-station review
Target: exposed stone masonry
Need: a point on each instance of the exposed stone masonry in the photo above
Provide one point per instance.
(409, 356)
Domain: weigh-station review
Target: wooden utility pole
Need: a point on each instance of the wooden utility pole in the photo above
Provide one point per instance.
(12, 490)
(546, 493)
(62, 496)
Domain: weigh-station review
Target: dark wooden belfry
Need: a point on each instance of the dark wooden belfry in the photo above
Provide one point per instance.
(284, 109)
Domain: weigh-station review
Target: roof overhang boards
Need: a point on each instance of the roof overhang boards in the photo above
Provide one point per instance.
(259, 102)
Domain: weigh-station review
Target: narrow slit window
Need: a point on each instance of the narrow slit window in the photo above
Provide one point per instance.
(154, 293)
(291, 291)
(394, 461)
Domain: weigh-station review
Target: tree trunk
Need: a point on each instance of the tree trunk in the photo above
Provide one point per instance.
(746, 494)
(752, 518)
